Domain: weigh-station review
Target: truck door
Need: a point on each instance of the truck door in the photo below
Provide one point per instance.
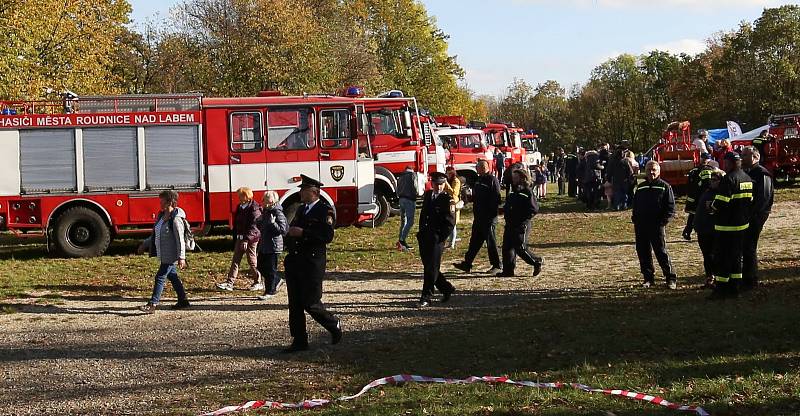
(292, 147)
(365, 179)
(247, 153)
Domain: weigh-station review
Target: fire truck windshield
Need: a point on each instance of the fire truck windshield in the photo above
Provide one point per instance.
(385, 122)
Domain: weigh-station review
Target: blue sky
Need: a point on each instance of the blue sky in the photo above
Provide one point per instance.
(538, 40)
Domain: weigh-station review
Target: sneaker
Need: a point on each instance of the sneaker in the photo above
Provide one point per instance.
(180, 305)
(494, 271)
(672, 285)
(537, 267)
(149, 308)
(408, 247)
(464, 267)
(279, 285)
(225, 286)
(646, 285)
(423, 303)
(266, 296)
(257, 287)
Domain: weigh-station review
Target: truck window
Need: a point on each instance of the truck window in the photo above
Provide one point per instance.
(335, 129)
(469, 141)
(385, 123)
(246, 132)
(291, 129)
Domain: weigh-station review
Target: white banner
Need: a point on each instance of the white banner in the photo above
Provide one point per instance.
(734, 129)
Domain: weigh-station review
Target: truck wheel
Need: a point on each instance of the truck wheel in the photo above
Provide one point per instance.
(81, 232)
(383, 211)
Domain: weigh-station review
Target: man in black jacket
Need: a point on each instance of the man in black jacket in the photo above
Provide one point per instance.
(407, 190)
(763, 197)
(436, 222)
(571, 167)
(520, 207)
(485, 204)
(309, 233)
(653, 207)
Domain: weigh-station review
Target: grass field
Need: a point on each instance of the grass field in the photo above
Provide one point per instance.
(584, 320)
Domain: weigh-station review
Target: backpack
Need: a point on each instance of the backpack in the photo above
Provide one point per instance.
(188, 235)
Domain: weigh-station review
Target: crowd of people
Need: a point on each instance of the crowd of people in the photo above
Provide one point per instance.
(727, 209)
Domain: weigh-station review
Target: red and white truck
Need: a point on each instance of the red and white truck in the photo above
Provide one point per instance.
(401, 136)
(84, 170)
(466, 147)
(507, 138)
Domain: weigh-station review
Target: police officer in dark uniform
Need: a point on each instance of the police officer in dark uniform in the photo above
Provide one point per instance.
(699, 178)
(485, 204)
(310, 232)
(763, 197)
(436, 222)
(653, 207)
(571, 167)
(731, 207)
(521, 205)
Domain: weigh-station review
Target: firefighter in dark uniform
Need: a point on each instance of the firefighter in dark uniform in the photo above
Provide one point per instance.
(699, 178)
(309, 233)
(520, 207)
(653, 207)
(436, 222)
(761, 141)
(763, 197)
(485, 206)
(731, 208)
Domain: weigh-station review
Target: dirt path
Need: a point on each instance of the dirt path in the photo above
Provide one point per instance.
(98, 355)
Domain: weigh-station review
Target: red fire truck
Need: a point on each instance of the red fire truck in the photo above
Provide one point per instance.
(400, 136)
(84, 170)
(676, 153)
(782, 153)
(466, 148)
(506, 137)
(530, 142)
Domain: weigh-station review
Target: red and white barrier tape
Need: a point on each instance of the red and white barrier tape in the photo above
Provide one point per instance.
(404, 378)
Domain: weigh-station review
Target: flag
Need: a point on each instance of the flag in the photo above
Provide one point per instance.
(734, 129)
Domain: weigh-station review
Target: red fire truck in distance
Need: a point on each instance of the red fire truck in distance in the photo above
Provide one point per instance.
(466, 148)
(506, 137)
(400, 136)
(530, 142)
(84, 170)
(782, 154)
(676, 153)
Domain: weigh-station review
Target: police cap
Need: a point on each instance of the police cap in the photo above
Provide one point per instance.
(438, 178)
(732, 156)
(308, 182)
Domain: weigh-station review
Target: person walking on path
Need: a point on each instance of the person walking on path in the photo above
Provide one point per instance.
(246, 237)
(307, 242)
(436, 222)
(653, 207)
(273, 227)
(520, 207)
(407, 191)
(485, 207)
(168, 244)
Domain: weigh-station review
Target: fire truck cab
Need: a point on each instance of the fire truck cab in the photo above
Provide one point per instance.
(530, 142)
(466, 148)
(87, 169)
(507, 138)
(400, 136)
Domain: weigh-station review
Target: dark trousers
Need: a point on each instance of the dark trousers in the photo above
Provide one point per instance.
(728, 247)
(268, 267)
(304, 276)
(572, 186)
(652, 239)
(430, 250)
(750, 252)
(689, 224)
(561, 184)
(515, 244)
(706, 243)
(483, 231)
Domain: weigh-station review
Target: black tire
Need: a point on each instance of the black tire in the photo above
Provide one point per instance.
(383, 211)
(81, 232)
